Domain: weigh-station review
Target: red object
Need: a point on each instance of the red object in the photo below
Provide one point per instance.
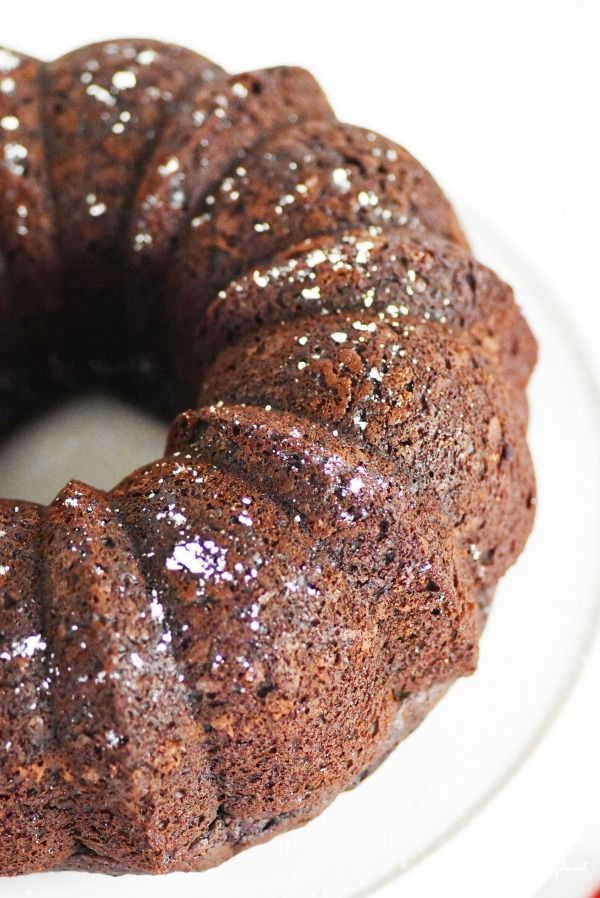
(596, 894)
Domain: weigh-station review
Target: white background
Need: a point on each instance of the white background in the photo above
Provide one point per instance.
(500, 100)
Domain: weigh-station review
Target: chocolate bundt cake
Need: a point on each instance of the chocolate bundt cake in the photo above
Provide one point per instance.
(209, 653)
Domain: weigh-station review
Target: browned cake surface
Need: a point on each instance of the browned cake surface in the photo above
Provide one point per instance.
(208, 654)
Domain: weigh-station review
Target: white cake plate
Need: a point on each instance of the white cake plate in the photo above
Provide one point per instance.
(484, 797)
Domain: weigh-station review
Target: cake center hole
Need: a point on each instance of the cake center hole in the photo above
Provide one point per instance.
(94, 438)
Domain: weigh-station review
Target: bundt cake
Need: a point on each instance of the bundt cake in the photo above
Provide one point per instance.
(209, 653)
